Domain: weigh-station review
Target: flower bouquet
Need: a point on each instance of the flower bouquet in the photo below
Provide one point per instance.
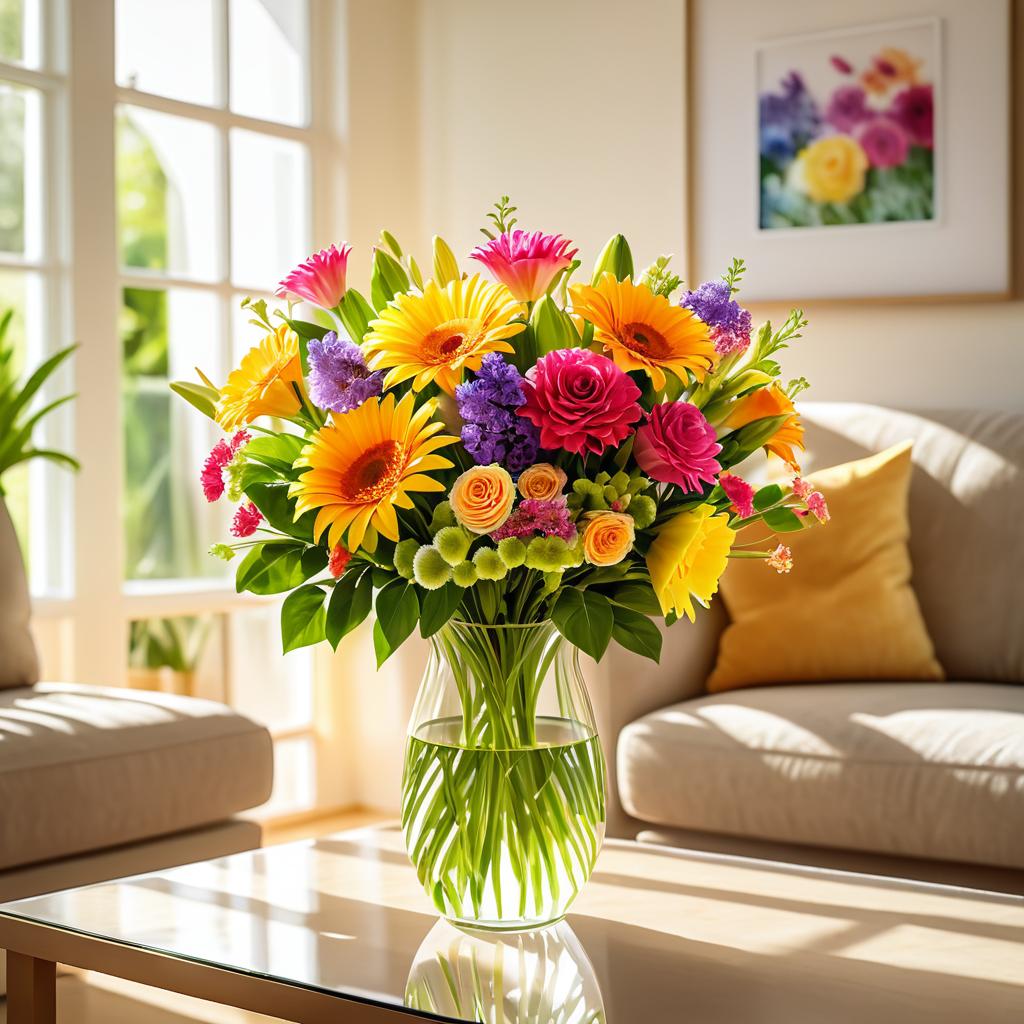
(523, 466)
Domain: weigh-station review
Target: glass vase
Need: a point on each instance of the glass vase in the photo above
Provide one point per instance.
(503, 793)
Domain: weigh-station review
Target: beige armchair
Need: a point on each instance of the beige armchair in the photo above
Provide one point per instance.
(99, 782)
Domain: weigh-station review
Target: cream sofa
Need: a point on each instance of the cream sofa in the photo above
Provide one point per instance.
(918, 779)
(97, 783)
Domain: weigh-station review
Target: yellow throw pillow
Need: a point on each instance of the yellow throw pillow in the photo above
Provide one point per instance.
(846, 611)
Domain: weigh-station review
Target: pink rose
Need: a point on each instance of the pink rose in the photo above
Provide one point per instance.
(677, 445)
(580, 401)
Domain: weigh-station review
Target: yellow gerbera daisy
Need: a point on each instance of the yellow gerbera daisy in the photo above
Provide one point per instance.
(436, 335)
(644, 331)
(364, 464)
(687, 558)
(264, 383)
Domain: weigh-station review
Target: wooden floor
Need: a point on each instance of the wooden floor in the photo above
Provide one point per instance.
(85, 998)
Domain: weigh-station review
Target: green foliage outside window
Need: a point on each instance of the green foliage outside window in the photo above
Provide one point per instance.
(11, 29)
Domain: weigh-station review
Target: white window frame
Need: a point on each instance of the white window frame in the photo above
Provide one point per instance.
(47, 323)
(84, 285)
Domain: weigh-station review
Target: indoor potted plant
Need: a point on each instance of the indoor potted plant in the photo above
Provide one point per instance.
(18, 419)
(163, 654)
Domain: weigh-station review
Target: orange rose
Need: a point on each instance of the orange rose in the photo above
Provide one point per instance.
(607, 538)
(542, 482)
(482, 498)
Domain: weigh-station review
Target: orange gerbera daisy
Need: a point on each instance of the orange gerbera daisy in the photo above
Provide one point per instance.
(268, 382)
(438, 334)
(644, 331)
(763, 404)
(364, 464)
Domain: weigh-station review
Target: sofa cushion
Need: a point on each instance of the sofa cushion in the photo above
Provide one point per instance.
(83, 768)
(913, 769)
(847, 611)
(966, 510)
(18, 663)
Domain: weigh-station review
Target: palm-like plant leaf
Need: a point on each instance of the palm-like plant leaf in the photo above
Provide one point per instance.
(16, 424)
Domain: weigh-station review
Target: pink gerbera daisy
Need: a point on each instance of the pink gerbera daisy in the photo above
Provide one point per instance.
(525, 263)
(320, 279)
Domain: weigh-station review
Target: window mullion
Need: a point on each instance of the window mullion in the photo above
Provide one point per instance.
(100, 628)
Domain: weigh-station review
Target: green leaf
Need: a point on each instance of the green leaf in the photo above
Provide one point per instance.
(585, 618)
(638, 596)
(278, 509)
(350, 604)
(637, 633)
(307, 331)
(18, 437)
(438, 607)
(381, 648)
(270, 568)
(302, 618)
(356, 314)
(767, 496)
(313, 560)
(783, 520)
(254, 473)
(39, 377)
(278, 451)
(59, 458)
(387, 279)
(397, 610)
(197, 395)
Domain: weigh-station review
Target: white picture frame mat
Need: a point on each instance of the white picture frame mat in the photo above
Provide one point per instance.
(964, 250)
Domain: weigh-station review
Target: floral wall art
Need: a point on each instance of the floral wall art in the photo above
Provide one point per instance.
(847, 127)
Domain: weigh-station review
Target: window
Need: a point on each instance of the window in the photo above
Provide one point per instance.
(213, 199)
(206, 152)
(32, 90)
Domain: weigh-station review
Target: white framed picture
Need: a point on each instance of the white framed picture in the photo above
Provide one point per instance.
(851, 153)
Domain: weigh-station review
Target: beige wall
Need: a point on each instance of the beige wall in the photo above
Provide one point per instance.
(576, 108)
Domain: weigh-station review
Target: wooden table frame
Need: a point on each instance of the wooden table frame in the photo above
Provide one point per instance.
(34, 950)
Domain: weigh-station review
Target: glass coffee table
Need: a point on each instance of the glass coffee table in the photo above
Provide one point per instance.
(338, 930)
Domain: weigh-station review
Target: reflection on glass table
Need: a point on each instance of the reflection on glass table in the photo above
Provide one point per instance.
(540, 977)
(339, 929)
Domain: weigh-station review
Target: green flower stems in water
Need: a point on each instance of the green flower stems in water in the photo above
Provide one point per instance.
(503, 810)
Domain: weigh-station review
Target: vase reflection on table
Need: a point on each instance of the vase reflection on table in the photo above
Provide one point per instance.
(538, 977)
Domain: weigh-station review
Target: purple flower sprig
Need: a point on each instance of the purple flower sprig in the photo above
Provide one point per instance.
(492, 431)
(339, 378)
(729, 322)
